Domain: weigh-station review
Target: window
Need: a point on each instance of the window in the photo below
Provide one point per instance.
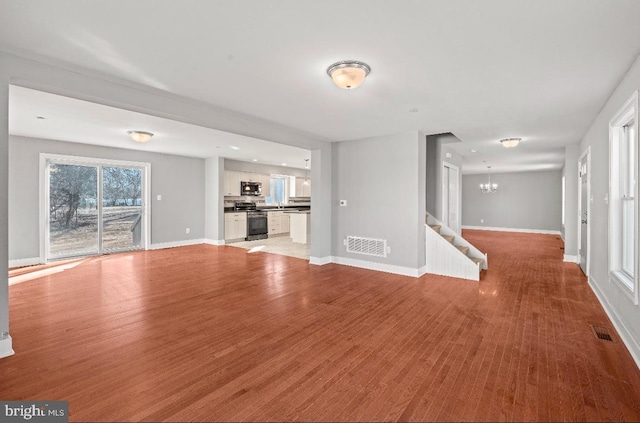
(278, 190)
(623, 195)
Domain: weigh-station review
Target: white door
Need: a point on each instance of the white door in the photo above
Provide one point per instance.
(450, 194)
(583, 247)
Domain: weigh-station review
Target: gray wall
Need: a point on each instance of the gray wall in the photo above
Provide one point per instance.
(381, 180)
(180, 181)
(620, 307)
(526, 200)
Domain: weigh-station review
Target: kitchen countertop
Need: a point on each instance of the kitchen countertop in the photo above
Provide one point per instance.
(298, 211)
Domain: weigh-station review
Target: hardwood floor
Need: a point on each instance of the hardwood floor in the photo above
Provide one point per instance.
(205, 333)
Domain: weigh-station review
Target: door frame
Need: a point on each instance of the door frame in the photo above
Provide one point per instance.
(90, 161)
(458, 200)
(586, 153)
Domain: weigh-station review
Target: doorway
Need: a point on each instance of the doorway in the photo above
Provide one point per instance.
(584, 209)
(450, 195)
(92, 206)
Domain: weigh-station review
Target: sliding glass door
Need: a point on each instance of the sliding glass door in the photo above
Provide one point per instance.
(93, 207)
(73, 211)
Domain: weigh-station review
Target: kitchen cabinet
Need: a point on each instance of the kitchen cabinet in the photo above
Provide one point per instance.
(231, 183)
(235, 225)
(301, 227)
(233, 178)
(278, 222)
(302, 189)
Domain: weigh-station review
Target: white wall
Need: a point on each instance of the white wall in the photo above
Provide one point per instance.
(214, 200)
(625, 315)
(180, 181)
(524, 200)
(382, 179)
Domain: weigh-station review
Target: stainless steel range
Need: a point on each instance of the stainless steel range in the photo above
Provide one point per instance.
(256, 220)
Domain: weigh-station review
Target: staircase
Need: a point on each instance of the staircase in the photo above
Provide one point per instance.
(449, 254)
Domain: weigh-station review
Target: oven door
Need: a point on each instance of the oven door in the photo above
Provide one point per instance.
(256, 224)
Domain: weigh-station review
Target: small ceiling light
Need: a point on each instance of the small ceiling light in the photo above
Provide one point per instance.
(233, 147)
(140, 136)
(510, 142)
(255, 160)
(40, 117)
(348, 74)
(414, 110)
(306, 167)
(284, 164)
(473, 150)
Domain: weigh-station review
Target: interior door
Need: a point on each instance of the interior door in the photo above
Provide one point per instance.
(584, 218)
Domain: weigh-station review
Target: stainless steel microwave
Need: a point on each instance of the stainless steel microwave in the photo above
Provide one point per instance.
(250, 188)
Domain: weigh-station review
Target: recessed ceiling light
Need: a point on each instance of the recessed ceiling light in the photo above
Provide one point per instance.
(233, 147)
(140, 136)
(414, 110)
(473, 150)
(284, 164)
(255, 160)
(40, 117)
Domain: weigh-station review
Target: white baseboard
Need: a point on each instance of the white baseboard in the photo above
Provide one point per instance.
(380, 267)
(25, 262)
(422, 271)
(570, 259)
(632, 344)
(184, 243)
(213, 241)
(320, 261)
(531, 231)
(6, 347)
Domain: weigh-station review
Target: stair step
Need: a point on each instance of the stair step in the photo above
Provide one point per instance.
(436, 228)
(449, 238)
(462, 249)
(477, 260)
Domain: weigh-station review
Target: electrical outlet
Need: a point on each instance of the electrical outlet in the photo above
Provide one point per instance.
(188, 230)
(159, 197)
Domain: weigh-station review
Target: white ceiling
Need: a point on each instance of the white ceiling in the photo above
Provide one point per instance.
(483, 70)
(68, 119)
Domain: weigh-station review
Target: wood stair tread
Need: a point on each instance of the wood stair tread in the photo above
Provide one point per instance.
(449, 238)
(435, 228)
(462, 249)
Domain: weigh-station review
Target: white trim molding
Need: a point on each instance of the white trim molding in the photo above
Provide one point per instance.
(320, 261)
(632, 344)
(570, 258)
(6, 347)
(216, 242)
(25, 262)
(380, 267)
(530, 231)
(162, 245)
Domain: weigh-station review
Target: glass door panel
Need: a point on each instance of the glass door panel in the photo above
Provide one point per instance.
(73, 211)
(121, 208)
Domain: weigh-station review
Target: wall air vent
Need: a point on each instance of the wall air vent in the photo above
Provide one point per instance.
(367, 246)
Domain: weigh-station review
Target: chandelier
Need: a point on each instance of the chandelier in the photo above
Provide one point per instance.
(488, 188)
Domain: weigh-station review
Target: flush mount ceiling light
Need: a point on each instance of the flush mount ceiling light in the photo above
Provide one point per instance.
(348, 74)
(510, 142)
(140, 136)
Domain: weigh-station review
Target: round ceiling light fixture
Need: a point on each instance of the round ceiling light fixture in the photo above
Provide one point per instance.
(510, 142)
(348, 74)
(140, 136)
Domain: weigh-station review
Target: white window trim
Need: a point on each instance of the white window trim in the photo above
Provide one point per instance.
(627, 113)
(90, 161)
